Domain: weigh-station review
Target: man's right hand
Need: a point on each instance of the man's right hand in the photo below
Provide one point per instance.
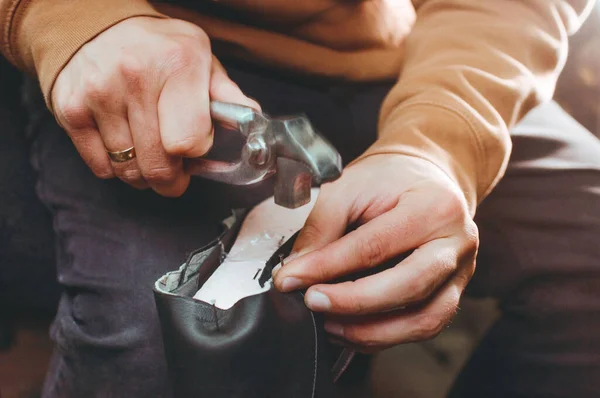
(146, 83)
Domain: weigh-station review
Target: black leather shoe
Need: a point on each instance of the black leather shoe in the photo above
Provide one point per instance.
(269, 345)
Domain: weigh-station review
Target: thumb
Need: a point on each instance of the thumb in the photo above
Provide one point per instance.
(222, 88)
(326, 223)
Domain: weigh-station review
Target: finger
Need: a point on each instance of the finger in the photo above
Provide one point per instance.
(116, 136)
(412, 281)
(401, 326)
(90, 146)
(391, 234)
(184, 111)
(163, 173)
(78, 122)
(341, 203)
(326, 222)
(109, 113)
(222, 88)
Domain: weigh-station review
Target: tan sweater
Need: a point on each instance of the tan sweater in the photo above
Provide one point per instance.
(467, 70)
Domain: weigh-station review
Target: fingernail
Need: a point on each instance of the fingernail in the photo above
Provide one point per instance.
(290, 283)
(317, 301)
(275, 270)
(334, 328)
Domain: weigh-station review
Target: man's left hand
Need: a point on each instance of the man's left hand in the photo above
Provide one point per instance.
(399, 203)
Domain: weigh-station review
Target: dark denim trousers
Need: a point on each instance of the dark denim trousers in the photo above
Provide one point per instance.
(540, 251)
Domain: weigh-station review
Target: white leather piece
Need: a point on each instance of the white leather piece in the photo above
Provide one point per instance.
(264, 230)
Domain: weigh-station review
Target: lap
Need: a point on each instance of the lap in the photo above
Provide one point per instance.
(542, 222)
(539, 256)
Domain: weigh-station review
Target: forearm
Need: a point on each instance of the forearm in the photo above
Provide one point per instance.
(473, 68)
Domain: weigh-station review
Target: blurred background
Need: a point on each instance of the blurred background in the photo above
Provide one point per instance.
(28, 296)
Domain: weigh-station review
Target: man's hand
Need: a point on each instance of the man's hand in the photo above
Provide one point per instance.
(401, 203)
(146, 83)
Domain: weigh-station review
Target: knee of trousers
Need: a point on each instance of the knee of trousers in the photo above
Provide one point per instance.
(108, 344)
(541, 224)
(106, 320)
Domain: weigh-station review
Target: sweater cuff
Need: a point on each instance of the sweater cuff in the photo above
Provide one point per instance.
(45, 35)
(442, 135)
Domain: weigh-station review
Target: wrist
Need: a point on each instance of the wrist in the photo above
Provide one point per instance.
(441, 135)
(44, 37)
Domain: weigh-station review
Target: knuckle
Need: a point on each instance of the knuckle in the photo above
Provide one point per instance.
(322, 272)
(470, 254)
(430, 325)
(160, 175)
(311, 232)
(179, 55)
(190, 30)
(103, 172)
(419, 288)
(372, 251)
(200, 39)
(351, 302)
(132, 69)
(130, 175)
(71, 112)
(191, 146)
(469, 247)
(356, 305)
(452, 207)
(447, 202)
(472, 236)
(96, 87)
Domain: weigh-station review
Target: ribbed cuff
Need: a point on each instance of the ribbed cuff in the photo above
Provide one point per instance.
(443, 137)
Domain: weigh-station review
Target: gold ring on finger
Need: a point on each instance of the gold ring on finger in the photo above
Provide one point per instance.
(122, 156)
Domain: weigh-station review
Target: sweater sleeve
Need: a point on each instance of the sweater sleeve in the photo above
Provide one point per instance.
(472, 69)
(40, 37)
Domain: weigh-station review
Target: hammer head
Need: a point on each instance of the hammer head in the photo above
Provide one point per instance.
(304, 158)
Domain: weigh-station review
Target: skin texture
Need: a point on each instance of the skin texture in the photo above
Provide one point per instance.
(145, 82)
(422, 209)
